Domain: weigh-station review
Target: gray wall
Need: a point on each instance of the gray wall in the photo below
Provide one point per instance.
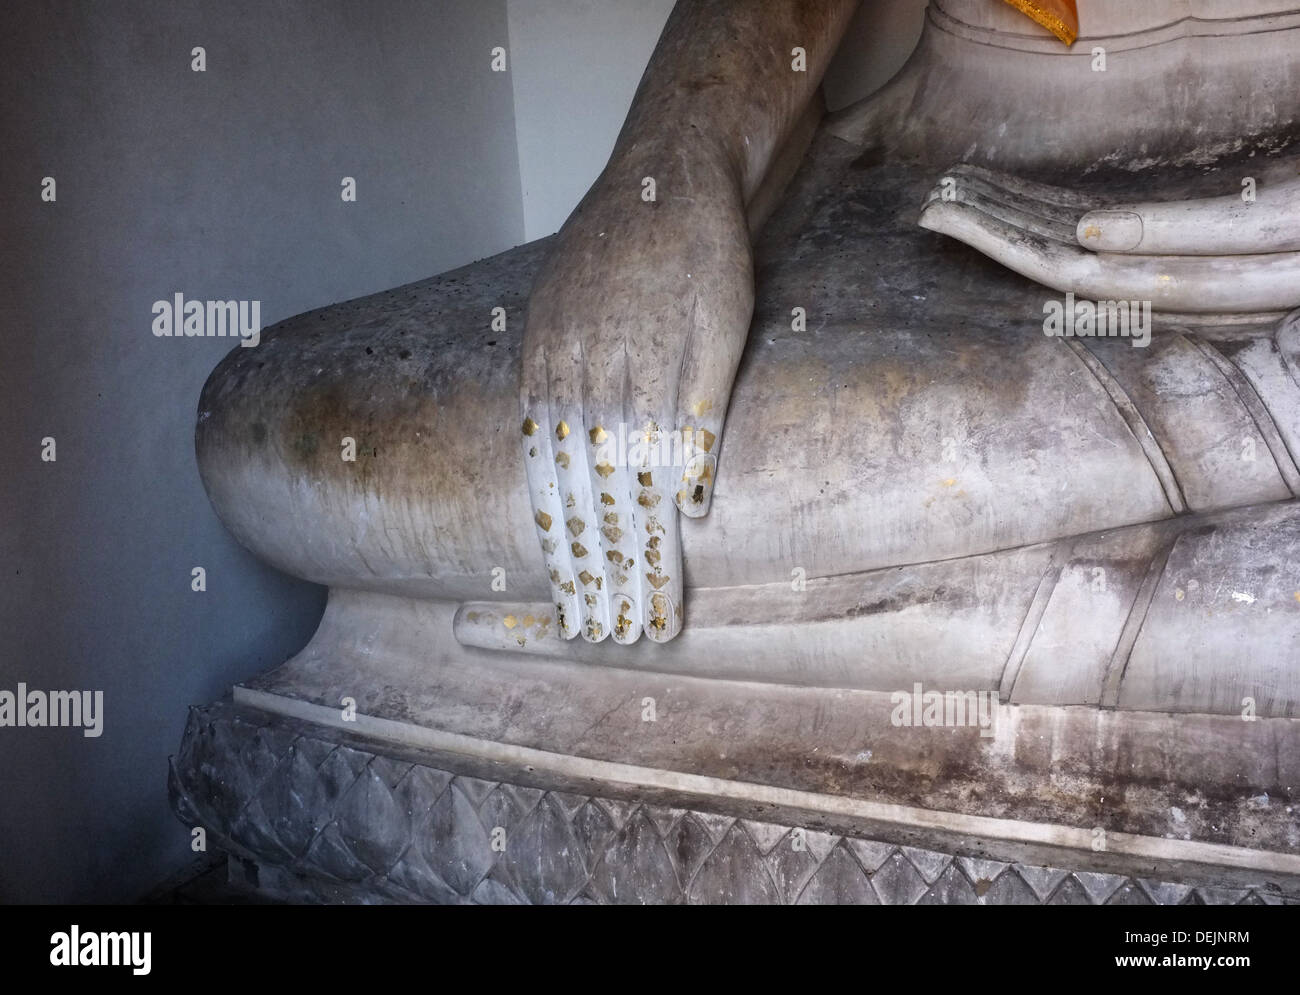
(224, 184)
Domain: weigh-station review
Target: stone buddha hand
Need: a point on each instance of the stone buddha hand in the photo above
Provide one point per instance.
(639, 315)
(1234, 254)
(635, 326)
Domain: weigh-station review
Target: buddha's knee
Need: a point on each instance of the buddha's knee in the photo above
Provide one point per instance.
(349, 447)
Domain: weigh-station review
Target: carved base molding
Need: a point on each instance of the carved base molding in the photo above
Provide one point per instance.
(316, 814)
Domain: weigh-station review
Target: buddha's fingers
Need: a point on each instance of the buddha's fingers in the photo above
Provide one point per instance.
(657, 535)
(1186, 284)
(1267, 221)
(1056, 221)
(1199, 284)
(1018, 214)
(579, 531)
(548, 509)
(701, 440)
(708, 372)
(581, 524)
(1046, 193)
(613, 488)
(659, 538)
(1044, 260)
(1218, 226)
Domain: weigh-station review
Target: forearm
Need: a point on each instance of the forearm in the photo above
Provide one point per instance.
(721, 84)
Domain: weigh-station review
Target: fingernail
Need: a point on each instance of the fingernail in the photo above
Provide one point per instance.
(593, 631)
(665, 618)
(696, 491)
(565, 624)
(627, 624)
(1110, 231)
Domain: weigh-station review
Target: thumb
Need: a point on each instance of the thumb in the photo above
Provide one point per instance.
(701, 441)
(1228, 225)
(707, 375)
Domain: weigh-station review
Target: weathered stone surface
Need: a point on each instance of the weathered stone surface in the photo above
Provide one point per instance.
(1044, 427)
(840, 880)
(385, 829)
(1092, 547)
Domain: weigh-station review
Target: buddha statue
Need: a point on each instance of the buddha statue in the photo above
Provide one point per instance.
(806, 401)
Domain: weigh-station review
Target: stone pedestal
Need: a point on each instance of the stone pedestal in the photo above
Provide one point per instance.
(312, 813)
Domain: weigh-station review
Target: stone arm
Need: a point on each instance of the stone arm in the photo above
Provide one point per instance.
(639, 315)
(729, 82)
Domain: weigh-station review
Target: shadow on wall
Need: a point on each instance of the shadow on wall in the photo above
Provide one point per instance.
(879, 39)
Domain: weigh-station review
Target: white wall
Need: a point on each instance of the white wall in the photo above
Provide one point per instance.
(575, 66)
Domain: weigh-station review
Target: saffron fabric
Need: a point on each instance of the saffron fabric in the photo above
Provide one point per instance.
(1061, 17)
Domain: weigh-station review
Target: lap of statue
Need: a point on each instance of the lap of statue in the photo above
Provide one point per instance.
(927, 470)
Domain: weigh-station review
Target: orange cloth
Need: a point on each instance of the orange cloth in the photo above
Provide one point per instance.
(1061, 17)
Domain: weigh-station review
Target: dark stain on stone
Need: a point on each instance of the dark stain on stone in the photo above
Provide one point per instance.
(870, 158)
(304, 446)
(890, 604)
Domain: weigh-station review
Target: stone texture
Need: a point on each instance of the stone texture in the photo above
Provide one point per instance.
(332, 822)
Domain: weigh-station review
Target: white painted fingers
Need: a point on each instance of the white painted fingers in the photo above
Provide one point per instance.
(612, 489)
(536, 433)
(658, 539)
